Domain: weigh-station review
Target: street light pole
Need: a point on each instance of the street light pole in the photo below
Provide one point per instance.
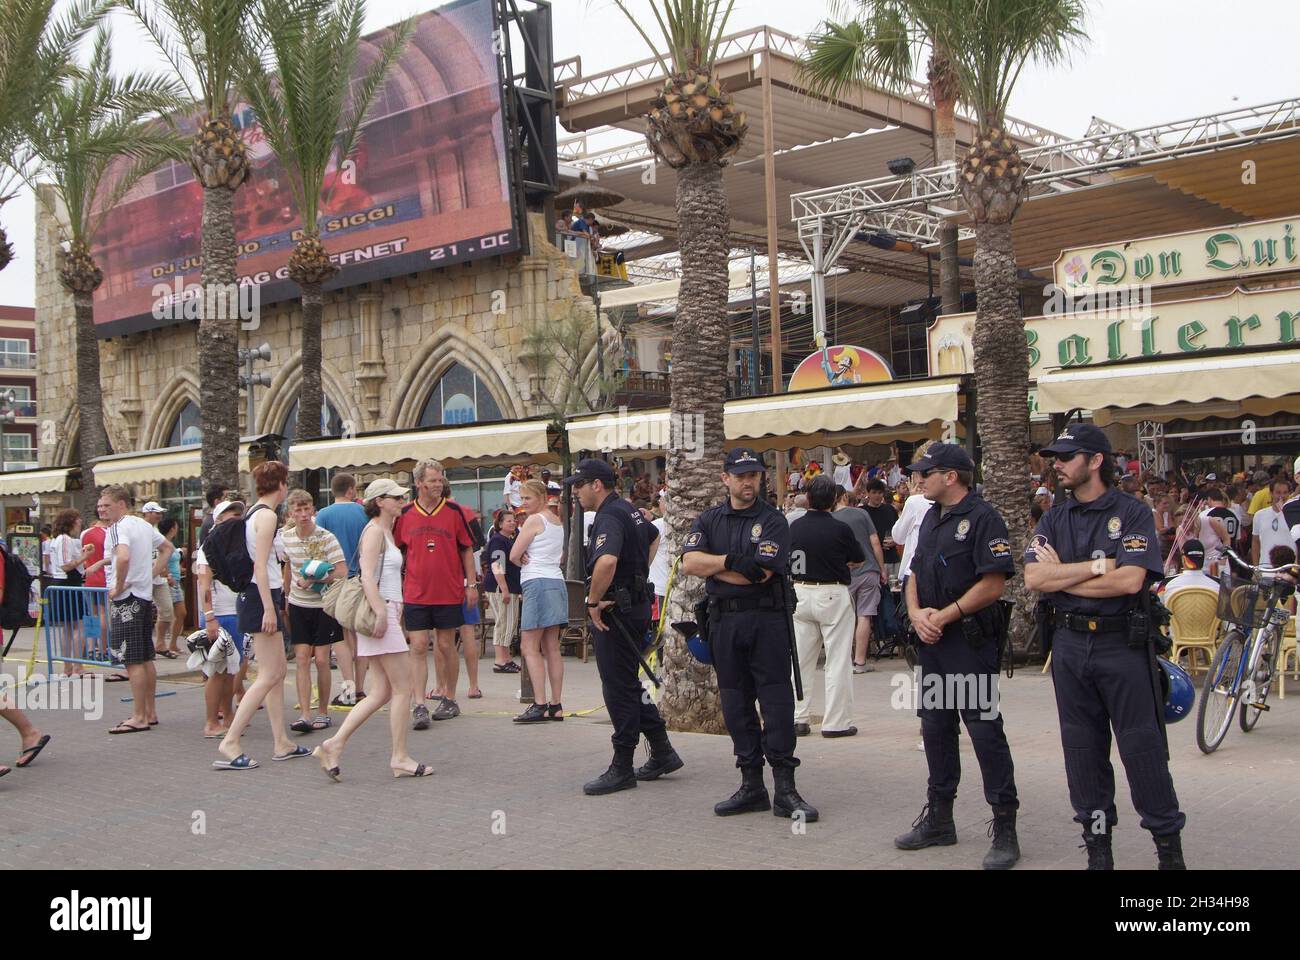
(248, 380)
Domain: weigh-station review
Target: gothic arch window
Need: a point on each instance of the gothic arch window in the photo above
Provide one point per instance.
(331, 423)
(458, 397)
(187, 429)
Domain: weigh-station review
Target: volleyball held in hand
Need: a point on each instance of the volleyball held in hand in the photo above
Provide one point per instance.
(316, 571)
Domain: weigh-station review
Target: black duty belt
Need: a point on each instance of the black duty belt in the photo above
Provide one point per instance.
(1085, 623)
(741, 604)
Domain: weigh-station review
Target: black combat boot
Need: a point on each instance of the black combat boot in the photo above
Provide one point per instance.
(785, 798)
(1005, 851)
(663, 759)
(1170, 851)
(751, 797)
(933, 828)
(1100, 856)
(619, 776)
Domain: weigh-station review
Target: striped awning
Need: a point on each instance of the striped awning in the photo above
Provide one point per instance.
(155, 466)
(1153, 390)
(23, 482)
(476, 443)
(890, 410)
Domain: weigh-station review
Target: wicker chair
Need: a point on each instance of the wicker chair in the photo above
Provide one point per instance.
(1193, 624)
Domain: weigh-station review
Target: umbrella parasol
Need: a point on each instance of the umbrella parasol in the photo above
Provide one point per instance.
(590, 195)
(609, 227)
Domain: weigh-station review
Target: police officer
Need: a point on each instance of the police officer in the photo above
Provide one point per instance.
(743, 547)
(618, 602)
(1091, 556)
(959, 570)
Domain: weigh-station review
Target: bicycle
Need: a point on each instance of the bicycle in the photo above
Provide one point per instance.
(1240, 677)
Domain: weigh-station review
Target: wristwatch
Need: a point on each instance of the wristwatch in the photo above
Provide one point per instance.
(596, 604)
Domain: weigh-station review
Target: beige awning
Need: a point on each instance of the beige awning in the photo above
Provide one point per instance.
(1138, 391)
(34, 481)
(899, 407)
(626, 432)
(661, 290)
(154, 466)
(477, 442)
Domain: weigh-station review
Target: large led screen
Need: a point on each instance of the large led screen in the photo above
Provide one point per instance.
(429, 187)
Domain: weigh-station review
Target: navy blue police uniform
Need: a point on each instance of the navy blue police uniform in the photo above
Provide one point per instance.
(619, 530)
(748, 628)
(953, 551)
(1101, 680)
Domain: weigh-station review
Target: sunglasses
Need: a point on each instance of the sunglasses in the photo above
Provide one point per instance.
(927, 473)
(1067, 457)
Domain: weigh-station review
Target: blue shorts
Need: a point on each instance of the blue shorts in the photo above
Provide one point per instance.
(546, 604)
(472, 617)
(230, 624)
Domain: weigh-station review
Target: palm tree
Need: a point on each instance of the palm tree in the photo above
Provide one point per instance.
(204, 41)
(881, 45)
(35, 53)
(988, 43)
(92, 139)
(694, 128)
(312, 115)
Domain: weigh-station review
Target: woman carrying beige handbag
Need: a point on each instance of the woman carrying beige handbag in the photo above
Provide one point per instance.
(384, 643)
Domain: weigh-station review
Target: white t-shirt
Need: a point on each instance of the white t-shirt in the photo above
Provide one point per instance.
(659, 568)
(1270, 526)
(908, 529)
(142, 541)
(843, 475)
(1190, 578)
(223, 598)
(60, 550)
(510, 490)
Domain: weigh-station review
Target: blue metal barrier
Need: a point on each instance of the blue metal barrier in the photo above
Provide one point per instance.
(75, 623)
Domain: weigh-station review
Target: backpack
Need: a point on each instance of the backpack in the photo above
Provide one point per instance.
(17, 591)
(226, 550)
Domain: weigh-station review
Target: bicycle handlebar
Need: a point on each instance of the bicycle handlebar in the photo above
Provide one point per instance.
(1290, 569)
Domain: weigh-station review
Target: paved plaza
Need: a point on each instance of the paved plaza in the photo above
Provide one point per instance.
(510, 796)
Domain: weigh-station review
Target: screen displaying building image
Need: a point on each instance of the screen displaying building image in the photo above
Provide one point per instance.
(459, 397)
(429, 186)
(187, 430)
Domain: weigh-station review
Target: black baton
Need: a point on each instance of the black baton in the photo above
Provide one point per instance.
(636, 649)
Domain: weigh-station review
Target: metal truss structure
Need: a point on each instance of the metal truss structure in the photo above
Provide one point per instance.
(1151, 447)
(915, 206)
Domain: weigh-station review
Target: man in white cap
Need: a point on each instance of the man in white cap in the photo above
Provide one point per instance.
(162, 594)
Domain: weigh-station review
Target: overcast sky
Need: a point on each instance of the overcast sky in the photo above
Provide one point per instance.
(1147, 62)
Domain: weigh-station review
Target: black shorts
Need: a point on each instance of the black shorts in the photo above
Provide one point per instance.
(439, 616)
(130, 628)
(313, 627)
(248, 606)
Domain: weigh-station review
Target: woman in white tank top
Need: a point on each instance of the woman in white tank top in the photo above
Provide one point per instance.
(390, 680)
(258, 609)
(538, 550)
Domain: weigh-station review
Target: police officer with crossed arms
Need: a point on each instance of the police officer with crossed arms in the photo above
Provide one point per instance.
(1091, 557)
(742, 547)
(959, 570)
(618, 603)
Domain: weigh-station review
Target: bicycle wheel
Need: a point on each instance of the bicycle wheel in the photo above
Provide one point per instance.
(1262, 684)
(1220, 693)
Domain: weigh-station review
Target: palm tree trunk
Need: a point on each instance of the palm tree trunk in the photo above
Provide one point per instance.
(700, 335)
(219, 343)
(945, 151)
(92, 441)
(1001, 380)
(309, 396)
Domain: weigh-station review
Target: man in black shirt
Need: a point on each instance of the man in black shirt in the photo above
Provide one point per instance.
(883, 517)
(821, 552)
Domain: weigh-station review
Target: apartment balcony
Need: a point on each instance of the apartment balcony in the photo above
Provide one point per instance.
(18, 361)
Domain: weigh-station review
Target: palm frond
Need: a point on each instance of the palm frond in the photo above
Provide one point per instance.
(692, 31)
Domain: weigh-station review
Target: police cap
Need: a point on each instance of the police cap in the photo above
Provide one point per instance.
(1079, 436)
(943, 456)
(743, 460)
(591, 470)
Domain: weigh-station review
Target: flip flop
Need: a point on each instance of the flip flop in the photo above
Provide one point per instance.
(31, 753)
(322, 723)
(3, 770)
(153, 723)
(293, 754)
(331, 772)
(214, 736)
(476, 696)
(420, 771)
(240, 762)
(300, 726)
(125, 727)
(117, 678)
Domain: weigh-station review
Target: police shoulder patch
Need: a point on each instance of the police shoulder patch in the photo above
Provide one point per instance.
(600, 541)
(768, 549)
(694, 539)
(1135, 543)
(1000, 547)
(1038, 541)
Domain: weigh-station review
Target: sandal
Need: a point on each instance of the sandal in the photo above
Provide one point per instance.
(241, 762)
(26, 758)
(476, 696)
(294, 754)
(420, 771)
(117, 678)
(555, 711)
(125, 727)
(300, 726)
(322, 723)
(331, 772)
